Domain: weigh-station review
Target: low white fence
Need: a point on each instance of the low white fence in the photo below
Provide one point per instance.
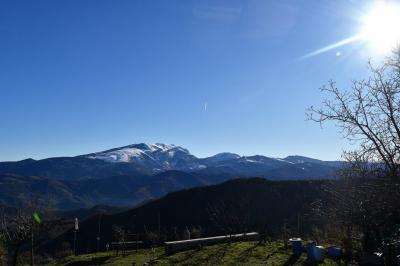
(175, 246)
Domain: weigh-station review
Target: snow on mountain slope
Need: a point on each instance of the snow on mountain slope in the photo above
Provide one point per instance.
(132, 152)
(220, 157)
(157, 156)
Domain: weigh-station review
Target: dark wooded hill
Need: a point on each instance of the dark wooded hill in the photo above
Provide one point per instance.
(123, 190)
(234, 206)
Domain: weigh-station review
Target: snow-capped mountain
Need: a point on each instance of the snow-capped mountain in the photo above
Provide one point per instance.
(158, 157)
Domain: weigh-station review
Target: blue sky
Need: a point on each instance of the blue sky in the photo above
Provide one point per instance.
(84, 76)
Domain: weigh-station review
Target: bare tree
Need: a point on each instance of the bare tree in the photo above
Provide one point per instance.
(368, 114)
(15, 231)
(120, 234)
(365, 199)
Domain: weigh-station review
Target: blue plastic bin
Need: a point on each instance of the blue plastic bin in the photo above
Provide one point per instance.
(334, 252)
(297, 246)
(310, 247)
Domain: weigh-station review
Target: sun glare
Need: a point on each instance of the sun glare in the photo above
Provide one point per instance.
(381, 27)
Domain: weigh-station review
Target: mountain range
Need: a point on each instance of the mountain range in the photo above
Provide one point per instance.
(150, 159)
(132, 174)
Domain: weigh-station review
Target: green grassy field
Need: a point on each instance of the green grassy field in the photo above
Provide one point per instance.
(239, 253)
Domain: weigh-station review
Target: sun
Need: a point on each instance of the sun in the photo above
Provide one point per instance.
(381, 27)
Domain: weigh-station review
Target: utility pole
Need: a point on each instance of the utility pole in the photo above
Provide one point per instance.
(137, 240)
(285, 233)
(98, 234)
(76, 228)
(298, 224)
(74, 242)
(135, 230)
(32, 254)
(159, 227)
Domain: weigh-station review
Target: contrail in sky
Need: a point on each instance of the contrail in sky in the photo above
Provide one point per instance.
(205, 106)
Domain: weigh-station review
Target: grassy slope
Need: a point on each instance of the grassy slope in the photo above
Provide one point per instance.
(240, 253)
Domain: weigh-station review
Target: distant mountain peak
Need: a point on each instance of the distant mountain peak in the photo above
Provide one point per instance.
(155, 156)
(135, 151)
(224, 156)
(154, 146)
(300, 159)
(149, 146)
